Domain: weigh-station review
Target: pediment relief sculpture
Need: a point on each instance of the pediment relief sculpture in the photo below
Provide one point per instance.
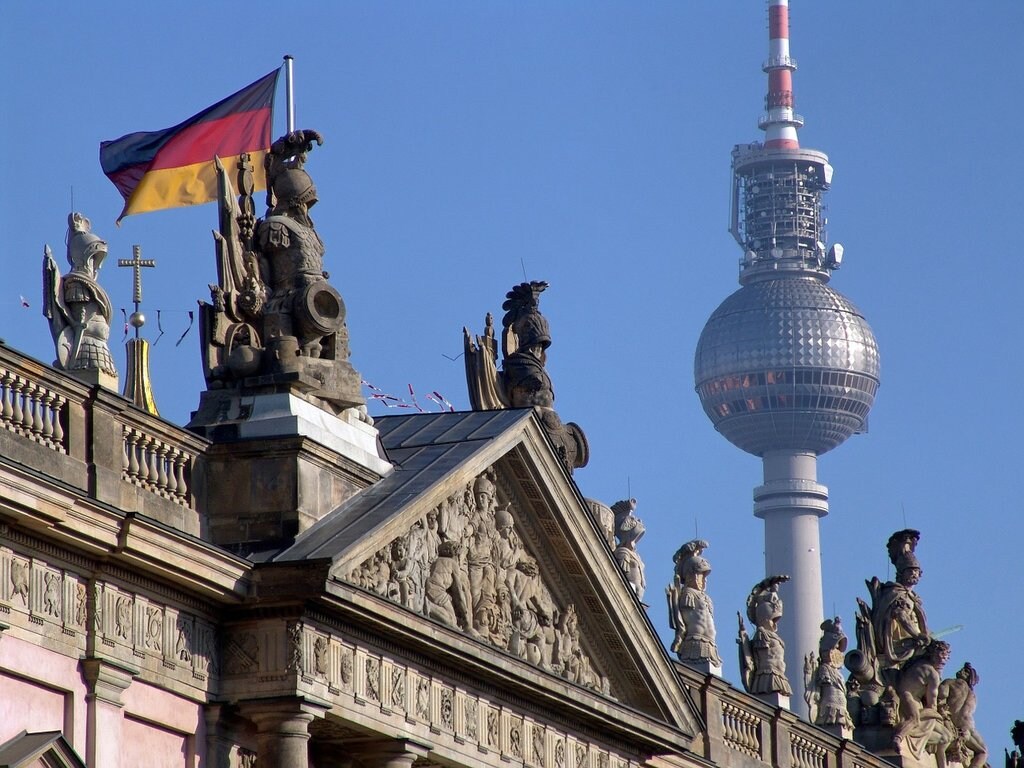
(465, 564)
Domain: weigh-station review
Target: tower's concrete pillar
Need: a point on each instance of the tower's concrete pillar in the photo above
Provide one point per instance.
(790, 502)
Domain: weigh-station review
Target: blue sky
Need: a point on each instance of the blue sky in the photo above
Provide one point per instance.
(587, 144)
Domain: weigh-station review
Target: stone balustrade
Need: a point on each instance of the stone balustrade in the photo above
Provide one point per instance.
(98, 442)
(745, 732)
(31, 408)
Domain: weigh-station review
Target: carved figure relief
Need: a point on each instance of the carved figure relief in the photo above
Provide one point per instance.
(691, 613)
(20, 572)
(423, 699)
(629, 529)
(77, 307)
(448, 708)
(472, 712)
(51, 593)
(123, 617)
(320, 648)
(465, 565)
(183, 647)
(373, 678)
(295, 654)
(762, 658)
(523, 381)
(346, 668)
(80, 604)
(154, 628)
(398, 687)
(824, 686)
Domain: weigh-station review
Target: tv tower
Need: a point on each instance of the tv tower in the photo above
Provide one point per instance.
(786, 368)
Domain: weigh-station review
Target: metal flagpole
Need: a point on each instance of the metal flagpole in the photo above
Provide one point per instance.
(289, 92)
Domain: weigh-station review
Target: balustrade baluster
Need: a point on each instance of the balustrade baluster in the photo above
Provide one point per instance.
(35, 395)
(151, 446)
(58, 418)
(133, 456)
(7, 411)
(161, 465)
(18, 416)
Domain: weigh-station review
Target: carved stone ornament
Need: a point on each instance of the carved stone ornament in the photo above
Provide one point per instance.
(274, 321)
(824, 686)
(464, 564)
(690, 611)
(77, 308)
(960, 702)
(762, 657)
(523, 381)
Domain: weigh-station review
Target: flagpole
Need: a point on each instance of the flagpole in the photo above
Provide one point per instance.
(289, 92)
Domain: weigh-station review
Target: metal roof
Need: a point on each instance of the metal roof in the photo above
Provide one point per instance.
(425, 448)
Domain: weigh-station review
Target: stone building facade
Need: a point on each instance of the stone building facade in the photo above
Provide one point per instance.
(290, 599)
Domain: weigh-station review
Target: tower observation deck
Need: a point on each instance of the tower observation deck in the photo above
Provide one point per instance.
(786, 368)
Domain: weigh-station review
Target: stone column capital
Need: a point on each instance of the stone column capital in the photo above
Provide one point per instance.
(107, 679)
(393, 753)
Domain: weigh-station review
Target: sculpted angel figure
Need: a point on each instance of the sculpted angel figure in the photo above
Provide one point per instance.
(690, 611)
(77, 307)
(762, 658)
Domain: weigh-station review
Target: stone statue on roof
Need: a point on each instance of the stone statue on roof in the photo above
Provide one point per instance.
(629, 529)
(690, 611)
(78, 308)
(968, 748)
(523, 381)
(762, 657)
(275, 322)
(825, 688)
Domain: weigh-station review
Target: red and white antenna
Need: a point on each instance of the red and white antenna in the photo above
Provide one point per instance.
(779, 123)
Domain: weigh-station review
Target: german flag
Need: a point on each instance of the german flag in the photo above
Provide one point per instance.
(174, 167)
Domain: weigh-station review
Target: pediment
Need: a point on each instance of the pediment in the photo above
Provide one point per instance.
(488, 536)
(47, 749)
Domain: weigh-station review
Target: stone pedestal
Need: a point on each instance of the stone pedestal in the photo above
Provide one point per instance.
(840, 731)
(705, 667)
(282, 463)
(777, 700)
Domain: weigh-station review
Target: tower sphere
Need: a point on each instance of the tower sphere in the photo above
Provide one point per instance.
(787, 363)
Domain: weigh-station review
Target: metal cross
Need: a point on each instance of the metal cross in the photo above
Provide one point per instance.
(136, 262)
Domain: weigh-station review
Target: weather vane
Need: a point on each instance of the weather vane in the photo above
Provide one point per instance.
(136, 262)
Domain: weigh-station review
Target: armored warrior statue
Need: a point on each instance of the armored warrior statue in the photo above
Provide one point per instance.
(762, 658)
(523, 381)
(629, 529)
(275, 322)
(825, 689)
(78, 308)
(690, 611)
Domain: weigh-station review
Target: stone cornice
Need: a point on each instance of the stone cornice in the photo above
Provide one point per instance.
(69, 520)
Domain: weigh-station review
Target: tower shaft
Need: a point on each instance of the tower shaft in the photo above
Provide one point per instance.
(791, 501)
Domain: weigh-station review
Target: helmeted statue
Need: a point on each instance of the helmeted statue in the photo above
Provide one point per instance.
(629, 529)
(690, 611)
(78, 308)
(762, 657)
(523, 381)
(823, 678)
(275, 322)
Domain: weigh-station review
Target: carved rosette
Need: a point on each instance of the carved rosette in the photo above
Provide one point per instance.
(465, 565)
